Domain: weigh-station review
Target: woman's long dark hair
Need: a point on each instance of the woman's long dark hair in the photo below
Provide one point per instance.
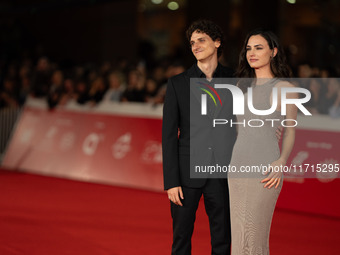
(278, 64)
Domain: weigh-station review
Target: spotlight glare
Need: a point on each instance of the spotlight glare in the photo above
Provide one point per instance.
(173, 5)
(291, 1)
(157, 1)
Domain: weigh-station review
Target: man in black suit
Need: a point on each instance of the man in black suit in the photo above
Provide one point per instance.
(206, 40)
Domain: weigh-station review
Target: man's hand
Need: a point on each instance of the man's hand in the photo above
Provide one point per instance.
(175, 194)
(279, 133)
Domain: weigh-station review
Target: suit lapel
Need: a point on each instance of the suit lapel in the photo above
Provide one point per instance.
(191, 77)
(222, 96)
(195, 85)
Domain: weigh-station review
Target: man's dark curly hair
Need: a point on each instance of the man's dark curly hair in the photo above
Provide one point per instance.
(210, 28)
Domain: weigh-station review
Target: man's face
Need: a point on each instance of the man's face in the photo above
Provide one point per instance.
(203, 47)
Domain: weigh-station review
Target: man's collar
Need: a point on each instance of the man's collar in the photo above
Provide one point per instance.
(200, 74)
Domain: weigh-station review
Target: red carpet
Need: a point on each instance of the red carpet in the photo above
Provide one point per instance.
(47, 216)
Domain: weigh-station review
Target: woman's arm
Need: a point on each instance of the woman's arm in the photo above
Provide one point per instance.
(274, 178)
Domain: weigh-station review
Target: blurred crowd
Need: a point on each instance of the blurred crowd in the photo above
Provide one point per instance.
(88, 84)
(324, 85)
(122, 81)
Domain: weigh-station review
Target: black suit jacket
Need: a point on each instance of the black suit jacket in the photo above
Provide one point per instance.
(176, 144)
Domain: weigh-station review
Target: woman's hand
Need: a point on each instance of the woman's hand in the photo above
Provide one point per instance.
(275, 174)
(279, 132)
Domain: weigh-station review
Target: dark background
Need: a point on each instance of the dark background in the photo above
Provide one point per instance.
(74, 32)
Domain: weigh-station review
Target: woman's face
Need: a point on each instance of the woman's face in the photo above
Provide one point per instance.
(258, 52)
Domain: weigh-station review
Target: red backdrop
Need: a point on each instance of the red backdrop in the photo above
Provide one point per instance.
(126, 151)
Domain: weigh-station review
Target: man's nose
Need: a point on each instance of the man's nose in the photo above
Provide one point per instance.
(195, 46)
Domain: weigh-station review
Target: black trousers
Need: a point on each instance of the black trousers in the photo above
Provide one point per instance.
(216, 200)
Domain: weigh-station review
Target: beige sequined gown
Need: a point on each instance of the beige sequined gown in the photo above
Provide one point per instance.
(251, 205)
